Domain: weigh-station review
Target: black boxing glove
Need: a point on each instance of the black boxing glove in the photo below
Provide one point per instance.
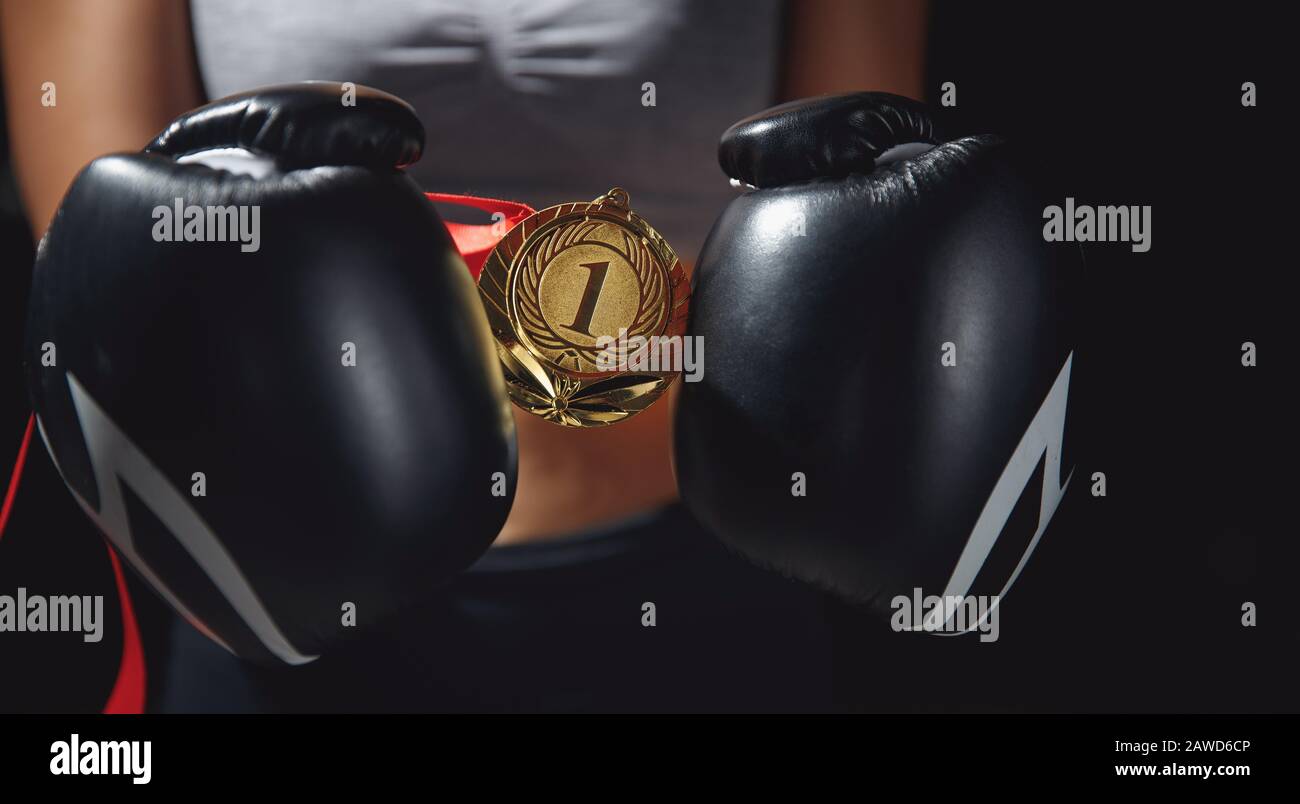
(274, 390)
(887, 328)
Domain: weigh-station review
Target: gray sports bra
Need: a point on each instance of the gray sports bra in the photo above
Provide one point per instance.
(538, 101)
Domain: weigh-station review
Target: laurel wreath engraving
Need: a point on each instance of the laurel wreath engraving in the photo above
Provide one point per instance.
(566, 400)
(651, 310)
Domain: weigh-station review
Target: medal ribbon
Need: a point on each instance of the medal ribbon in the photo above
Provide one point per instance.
(128, 694)
(476, 241)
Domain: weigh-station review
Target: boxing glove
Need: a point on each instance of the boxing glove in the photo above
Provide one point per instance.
(890, 351)
(273, 387)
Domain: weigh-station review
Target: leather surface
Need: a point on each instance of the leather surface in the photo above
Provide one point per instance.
(302, 125)
(824, 306)
(326, 483)
(830, 137)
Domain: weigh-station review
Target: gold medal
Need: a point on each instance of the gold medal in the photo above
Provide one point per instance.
(585, 300)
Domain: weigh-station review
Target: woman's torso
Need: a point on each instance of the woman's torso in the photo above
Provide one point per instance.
(541, 101)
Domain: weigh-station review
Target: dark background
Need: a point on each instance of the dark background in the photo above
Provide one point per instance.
(1132, 602)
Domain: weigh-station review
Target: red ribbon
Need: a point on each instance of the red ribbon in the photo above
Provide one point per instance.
(476, 241)
(17, 475)
(127, 697)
